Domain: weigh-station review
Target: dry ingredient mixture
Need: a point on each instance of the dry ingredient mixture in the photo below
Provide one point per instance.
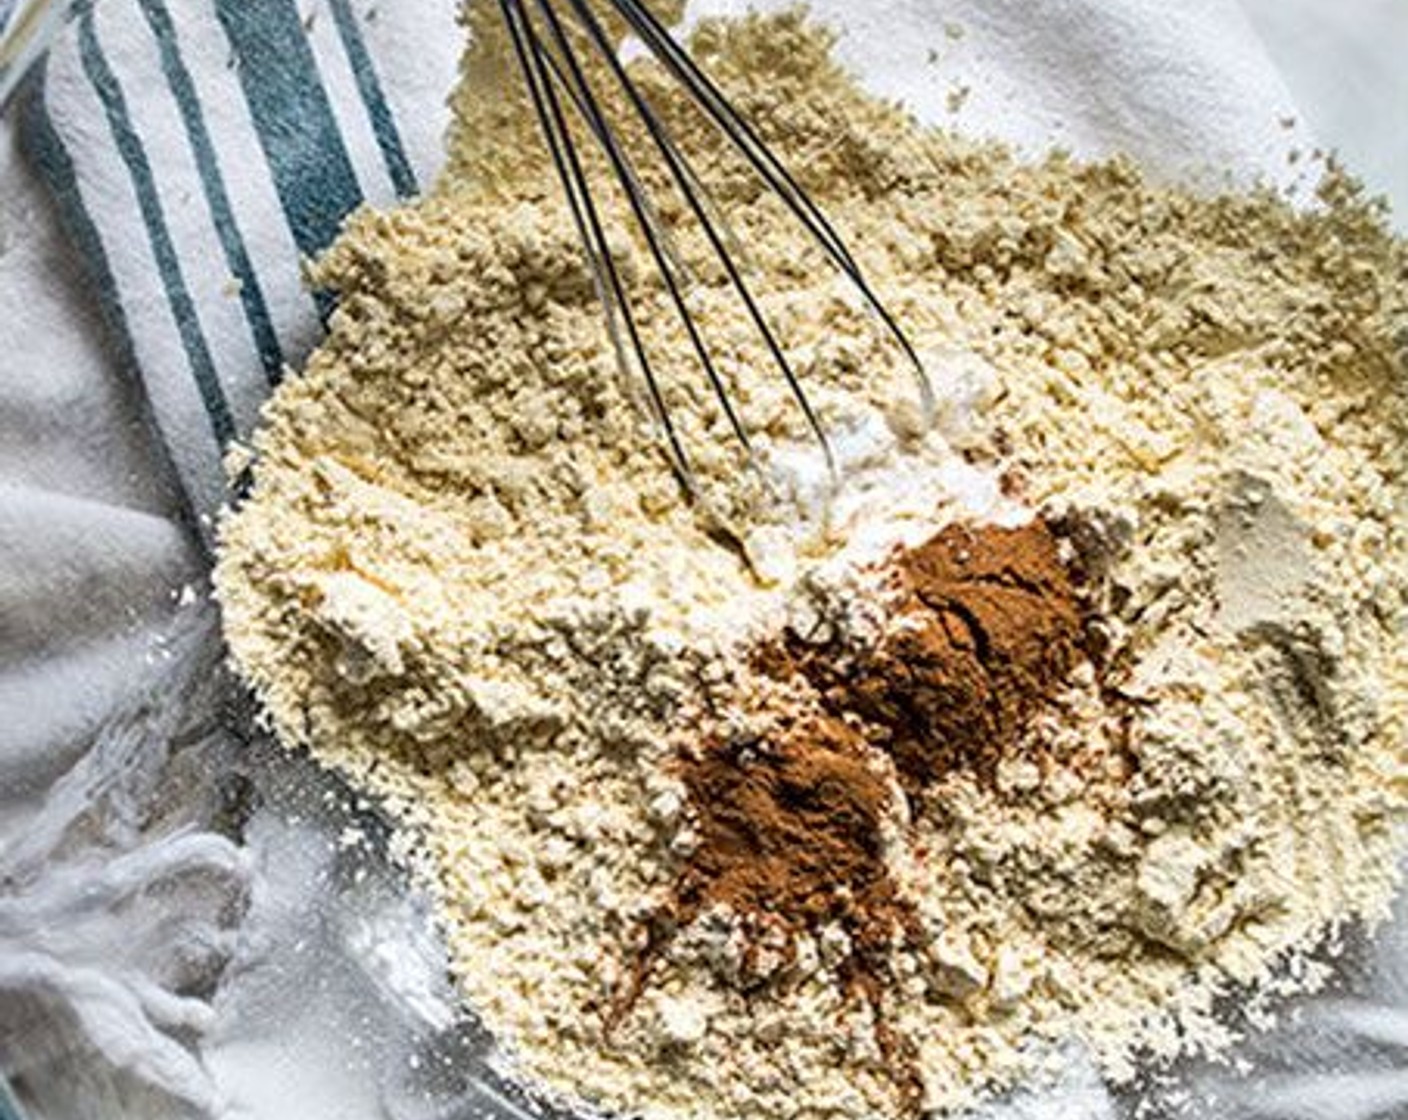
(1056, 720)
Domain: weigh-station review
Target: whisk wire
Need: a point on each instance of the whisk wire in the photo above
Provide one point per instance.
(746, 140)
(553, 73)
(620, 163)
(660, 229)
(734, 126)
(578, 197)
(611, 288)
(685, 181)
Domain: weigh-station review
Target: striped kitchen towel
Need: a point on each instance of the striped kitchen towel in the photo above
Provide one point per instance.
(200, 150)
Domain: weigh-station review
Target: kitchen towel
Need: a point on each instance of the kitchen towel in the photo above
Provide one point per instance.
(200, 150)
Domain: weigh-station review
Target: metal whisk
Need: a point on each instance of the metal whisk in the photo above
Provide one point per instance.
(543, 34)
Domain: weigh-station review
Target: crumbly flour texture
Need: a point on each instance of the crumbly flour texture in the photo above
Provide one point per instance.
(1046, 722)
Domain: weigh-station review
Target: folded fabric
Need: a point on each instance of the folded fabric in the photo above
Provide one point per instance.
(200, 151)
(113, 919)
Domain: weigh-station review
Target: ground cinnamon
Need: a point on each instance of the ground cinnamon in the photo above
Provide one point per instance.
(789, 827)
(789, 830)
(790, 841)
(983, 629)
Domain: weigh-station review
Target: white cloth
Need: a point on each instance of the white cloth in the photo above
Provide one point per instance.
(118, 908)
(98, 533)
(1344, 66)
(1184, 88)
(92, 547)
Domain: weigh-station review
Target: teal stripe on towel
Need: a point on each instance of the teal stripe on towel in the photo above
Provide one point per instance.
(312, 171)
(51, 157)
(178, 77)
(134, 155)
(388, 137)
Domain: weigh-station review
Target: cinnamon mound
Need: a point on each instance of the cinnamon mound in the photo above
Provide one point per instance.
(985, 632)
(790, 841)
(789, 830)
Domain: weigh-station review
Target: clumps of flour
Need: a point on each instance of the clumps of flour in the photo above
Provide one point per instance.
(467, 579)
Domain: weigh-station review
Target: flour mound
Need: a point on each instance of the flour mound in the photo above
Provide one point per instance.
(467, 579)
